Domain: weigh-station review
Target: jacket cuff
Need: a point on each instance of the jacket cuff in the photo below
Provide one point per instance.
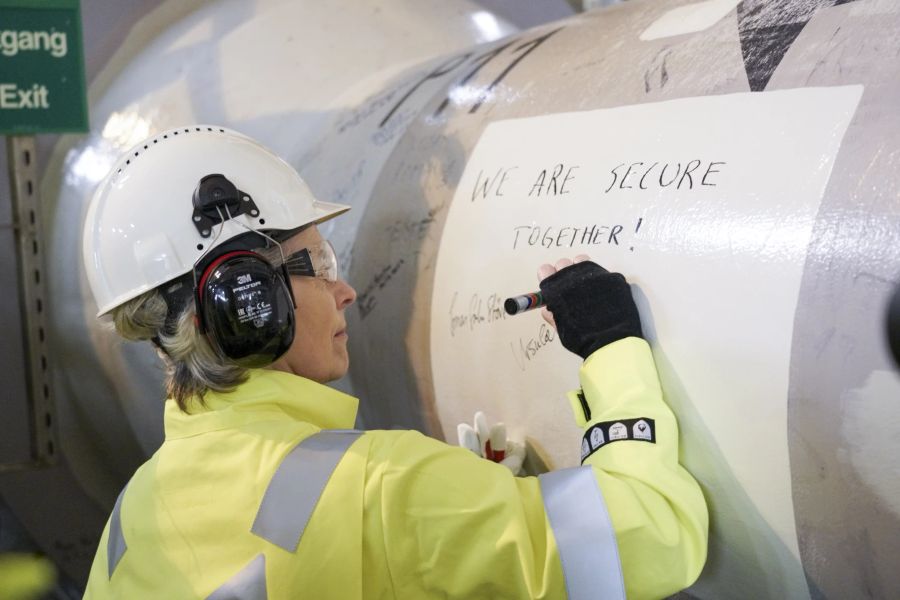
(619, 379)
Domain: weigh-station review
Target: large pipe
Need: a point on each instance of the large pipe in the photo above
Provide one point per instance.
(764, 290)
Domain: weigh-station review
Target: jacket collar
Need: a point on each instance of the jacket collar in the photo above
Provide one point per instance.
(267, 395)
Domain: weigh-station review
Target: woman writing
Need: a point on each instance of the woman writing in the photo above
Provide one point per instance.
(206, 244)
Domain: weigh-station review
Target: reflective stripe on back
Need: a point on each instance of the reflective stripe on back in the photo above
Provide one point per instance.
(248, 584)
(115, 543)
(584, 534)
(298, 483)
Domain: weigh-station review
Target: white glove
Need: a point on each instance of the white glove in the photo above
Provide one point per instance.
(491, 443)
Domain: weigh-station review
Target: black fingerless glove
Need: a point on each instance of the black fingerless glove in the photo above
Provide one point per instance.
(591, 306)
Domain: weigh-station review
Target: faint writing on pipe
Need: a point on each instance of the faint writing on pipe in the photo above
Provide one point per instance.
(528, 348)
(477, 311)
(367, 300)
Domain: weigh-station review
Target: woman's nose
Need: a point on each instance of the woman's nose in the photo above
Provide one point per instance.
(344, 294)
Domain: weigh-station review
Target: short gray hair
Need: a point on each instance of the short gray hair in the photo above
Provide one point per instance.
(192, 366)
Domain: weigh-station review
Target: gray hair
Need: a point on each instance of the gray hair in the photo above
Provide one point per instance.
(192, 366)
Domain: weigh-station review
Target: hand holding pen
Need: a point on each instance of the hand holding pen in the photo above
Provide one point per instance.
(526, 302)
(589, 306)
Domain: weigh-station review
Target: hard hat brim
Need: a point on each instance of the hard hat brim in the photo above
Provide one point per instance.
(324, 211)
(327, 210)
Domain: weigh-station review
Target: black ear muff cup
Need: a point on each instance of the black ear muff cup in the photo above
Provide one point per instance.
(246, 309)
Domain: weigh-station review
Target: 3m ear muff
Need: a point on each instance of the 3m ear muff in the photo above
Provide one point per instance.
(245, 307)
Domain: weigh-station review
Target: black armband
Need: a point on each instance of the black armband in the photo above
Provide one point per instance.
(603, 434)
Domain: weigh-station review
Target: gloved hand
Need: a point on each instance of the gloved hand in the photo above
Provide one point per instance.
(491, 443)
(590, 306)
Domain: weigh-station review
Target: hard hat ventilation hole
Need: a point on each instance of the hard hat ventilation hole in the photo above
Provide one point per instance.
(164, 137)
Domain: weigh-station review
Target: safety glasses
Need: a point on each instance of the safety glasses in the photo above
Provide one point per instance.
(318, 260)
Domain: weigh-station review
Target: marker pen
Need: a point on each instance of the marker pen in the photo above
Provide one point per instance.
(520, 304)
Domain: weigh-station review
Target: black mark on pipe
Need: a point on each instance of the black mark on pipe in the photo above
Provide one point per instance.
(768, 29)
(479, 63)
(441, 70)
(532, 46)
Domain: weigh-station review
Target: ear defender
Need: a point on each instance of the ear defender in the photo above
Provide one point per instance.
(246, 308)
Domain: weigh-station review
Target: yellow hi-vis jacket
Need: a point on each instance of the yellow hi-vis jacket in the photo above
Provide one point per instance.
(265, 493)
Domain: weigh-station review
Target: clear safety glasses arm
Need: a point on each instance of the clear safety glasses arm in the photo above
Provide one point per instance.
(631, 519)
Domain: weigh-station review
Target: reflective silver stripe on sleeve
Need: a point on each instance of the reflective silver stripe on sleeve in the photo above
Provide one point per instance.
(298, 483)
(115, 543)
(248, 584)
(584, 534)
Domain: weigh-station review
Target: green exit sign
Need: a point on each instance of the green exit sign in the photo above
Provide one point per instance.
(41, 67)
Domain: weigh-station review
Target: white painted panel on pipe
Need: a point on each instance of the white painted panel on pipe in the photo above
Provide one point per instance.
(706, 205)
(690, 18)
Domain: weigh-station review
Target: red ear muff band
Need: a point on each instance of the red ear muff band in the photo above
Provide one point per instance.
(218, 261)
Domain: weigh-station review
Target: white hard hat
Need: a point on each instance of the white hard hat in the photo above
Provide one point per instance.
(143, 229)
